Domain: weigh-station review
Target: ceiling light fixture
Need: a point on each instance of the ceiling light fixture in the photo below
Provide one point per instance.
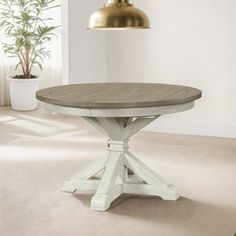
(118, 14)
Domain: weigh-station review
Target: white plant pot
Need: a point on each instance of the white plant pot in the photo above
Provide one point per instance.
(23, 93)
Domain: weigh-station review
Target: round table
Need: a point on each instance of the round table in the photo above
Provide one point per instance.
(119, 110)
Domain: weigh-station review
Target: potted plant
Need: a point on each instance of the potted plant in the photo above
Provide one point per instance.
(24, 25)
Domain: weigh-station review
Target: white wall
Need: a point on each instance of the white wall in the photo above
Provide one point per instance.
(192, 42)
(87, 49)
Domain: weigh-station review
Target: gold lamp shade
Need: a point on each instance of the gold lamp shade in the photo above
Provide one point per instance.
(118, 14)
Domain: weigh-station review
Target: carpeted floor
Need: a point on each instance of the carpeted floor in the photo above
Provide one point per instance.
(39, 150)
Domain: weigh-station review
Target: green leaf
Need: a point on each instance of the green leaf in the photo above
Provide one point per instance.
(39, 65)
(17, 65)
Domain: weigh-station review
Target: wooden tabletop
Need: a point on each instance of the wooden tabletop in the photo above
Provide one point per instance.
(118, 95)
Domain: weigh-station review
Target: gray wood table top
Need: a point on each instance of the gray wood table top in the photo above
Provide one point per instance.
(118, 95)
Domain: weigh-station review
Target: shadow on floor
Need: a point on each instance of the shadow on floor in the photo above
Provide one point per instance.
(199, 218)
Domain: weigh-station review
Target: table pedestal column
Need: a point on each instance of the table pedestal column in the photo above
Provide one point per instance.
(121, 172)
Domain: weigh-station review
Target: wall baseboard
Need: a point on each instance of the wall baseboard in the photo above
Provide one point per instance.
(166, 125)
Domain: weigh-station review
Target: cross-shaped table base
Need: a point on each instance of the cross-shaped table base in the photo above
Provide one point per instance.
(122, 171)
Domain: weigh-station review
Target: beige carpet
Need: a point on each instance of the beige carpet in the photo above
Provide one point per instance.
(39, 150)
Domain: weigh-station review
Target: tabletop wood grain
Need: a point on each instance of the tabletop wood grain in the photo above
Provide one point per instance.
(118, 95)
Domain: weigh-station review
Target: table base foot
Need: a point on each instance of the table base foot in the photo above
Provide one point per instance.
(68, 187)
(74, 184)
(171, 194)
(101, 202)
(145, 189)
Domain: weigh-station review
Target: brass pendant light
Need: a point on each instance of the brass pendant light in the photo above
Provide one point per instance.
(118, 14)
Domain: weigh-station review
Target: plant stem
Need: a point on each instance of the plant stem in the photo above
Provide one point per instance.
(27, 65)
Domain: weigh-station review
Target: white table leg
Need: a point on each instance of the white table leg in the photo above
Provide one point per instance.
(74, 183)
(123, 171)
(154, 183)
(109, 187)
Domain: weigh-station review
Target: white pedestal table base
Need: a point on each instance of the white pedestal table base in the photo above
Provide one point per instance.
(122, 172)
